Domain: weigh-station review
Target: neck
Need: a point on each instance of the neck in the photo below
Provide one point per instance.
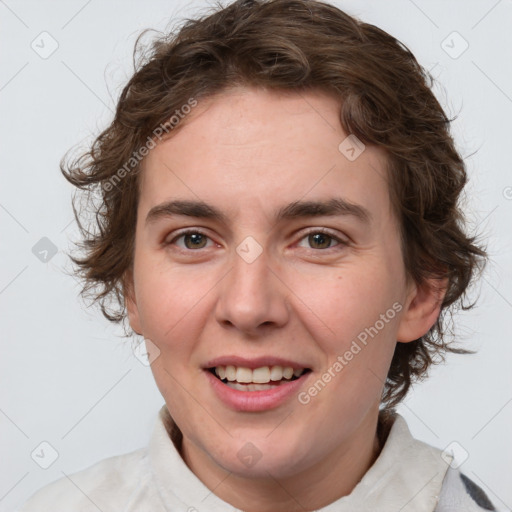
(332, 478)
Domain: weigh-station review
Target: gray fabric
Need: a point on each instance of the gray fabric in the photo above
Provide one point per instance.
(461, 494)
(408, 476)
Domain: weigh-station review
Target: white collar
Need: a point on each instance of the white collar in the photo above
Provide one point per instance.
(406, 477)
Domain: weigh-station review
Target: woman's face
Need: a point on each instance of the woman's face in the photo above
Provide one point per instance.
(266, 281)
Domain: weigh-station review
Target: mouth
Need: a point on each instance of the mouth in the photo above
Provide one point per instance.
(263, 378)
(255, 384)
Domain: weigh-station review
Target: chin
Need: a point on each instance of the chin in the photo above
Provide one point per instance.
(277, 466)
(262, 458)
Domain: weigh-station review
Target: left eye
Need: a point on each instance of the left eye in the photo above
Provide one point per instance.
(322, 238)
(197, 240)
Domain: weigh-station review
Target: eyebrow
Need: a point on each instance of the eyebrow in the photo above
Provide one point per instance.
(335, 206)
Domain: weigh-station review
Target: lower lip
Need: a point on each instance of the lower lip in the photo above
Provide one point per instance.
(253, 401)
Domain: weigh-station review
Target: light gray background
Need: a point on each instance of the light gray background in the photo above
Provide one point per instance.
(69, 379)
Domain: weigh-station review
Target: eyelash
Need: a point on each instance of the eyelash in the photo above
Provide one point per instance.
(341, 243)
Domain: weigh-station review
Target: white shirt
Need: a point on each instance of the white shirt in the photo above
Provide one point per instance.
(407, 476)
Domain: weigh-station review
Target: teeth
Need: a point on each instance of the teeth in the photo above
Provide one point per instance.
(230, 373)
(261, 375)
(250, 387)
(287, 372)
(276, 373)
(243, 375)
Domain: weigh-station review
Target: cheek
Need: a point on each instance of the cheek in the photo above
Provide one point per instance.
(165, 294)
(174, 306)
(343, 305)
(354, 322)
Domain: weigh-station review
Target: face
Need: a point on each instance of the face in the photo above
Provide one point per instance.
(251, 282)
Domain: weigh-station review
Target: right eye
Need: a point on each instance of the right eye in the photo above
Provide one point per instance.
(193, 240)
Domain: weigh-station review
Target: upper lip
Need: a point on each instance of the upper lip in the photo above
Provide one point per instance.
(256, 362)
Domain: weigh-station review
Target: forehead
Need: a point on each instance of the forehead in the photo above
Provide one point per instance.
(248, 150)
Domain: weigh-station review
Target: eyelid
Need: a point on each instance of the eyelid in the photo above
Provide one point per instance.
(186, 231)
(325, 231)
(341, 242)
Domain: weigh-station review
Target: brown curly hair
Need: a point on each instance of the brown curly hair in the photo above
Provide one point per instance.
(385, 99)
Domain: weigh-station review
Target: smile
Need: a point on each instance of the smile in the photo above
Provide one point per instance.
(257, 379)
(257, 389)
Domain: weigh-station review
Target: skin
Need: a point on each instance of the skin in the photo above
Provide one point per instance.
(248, 152)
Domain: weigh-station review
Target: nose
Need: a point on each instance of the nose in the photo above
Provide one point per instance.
(252, 296)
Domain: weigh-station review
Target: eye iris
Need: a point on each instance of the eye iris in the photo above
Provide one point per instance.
(196, 238)
(318, 237)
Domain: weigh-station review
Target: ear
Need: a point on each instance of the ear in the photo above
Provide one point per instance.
(130, 302)
(422, 309)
